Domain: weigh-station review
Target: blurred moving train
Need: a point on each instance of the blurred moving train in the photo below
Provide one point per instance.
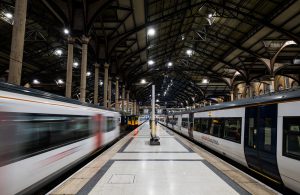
(42, 134)
(261, 133)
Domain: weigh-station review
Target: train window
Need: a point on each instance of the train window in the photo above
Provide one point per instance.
(252, 133)
(216, 127)
(291, 137)
(232, 129)
(175, 121)
(267, 134)
(31, 133)
(110, 124)
(205, 123)
(185, 122)
(197, 124)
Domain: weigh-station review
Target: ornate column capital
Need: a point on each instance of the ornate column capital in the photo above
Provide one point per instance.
(71, 40)
(109, 78)
(97, 65)
(85, 39)
(106, 65)
(117, 78)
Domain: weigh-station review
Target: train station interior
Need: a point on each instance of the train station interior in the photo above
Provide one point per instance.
(154, 97)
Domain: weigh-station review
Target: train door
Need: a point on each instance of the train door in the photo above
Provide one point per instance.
(98, 130)
(261, 139)
(191, 124)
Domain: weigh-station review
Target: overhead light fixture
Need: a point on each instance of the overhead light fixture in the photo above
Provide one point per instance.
(170, 64)
(291, 42)
(58, 52)
(157, 100)
(88, 74)
(35, 81)
(182, 37)
(150, 62)
(189, 52)
(8, 15)
(60, 81)
(205, 81)
(151, 32)
(210, 18)
(143, 81)
(100, 83)
(75, 64)
(66, 31)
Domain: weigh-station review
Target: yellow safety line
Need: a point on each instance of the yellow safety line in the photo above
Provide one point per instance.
(266, 176)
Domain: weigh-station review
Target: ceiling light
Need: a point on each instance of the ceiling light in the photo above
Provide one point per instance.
(189, 52)
(291, 42)
(58, 52)
(210, 15)
(151, 32)
(35, 81)
(75, 64)
(143, 81)
(88, 74)
(205, 81)
(182, 37)
(66, 31)
(8, 15)
(150, 62)
(60, 81)
(157, 100)
(170, 64)
(101, 83)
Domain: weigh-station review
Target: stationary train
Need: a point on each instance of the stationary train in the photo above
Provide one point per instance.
(42, 134)
(261, 133)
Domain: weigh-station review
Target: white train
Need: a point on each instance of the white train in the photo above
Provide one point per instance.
(41, 135)
(261, 133)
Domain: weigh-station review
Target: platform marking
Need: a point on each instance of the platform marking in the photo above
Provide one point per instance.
(125, 145)
(88, 187)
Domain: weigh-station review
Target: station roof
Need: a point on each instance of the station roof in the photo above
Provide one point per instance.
(197, 48)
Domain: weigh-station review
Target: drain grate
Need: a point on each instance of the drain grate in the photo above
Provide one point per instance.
(122, 179)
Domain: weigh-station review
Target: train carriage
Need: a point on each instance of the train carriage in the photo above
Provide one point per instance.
(261, 133)
(177, 122)
(42, 135)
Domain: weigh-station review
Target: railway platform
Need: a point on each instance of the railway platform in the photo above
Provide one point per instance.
(177, 166)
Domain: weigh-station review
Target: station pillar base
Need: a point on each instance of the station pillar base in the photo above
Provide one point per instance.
(154, 141)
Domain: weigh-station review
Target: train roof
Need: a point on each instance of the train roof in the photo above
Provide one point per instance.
(275, 97)
(42, 94)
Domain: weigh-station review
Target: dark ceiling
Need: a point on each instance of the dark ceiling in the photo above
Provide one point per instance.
(230, 41)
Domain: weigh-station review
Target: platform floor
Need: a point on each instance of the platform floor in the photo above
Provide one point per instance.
(177, 166)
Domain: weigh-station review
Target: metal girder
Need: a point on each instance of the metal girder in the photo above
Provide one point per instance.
(160, 19)
(131, 56)
(102, 5)
(260, 21)
(56, 11)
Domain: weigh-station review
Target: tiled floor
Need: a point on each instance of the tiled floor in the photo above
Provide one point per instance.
(133, 167)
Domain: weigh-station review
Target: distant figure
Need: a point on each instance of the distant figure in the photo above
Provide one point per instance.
(156, 121)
